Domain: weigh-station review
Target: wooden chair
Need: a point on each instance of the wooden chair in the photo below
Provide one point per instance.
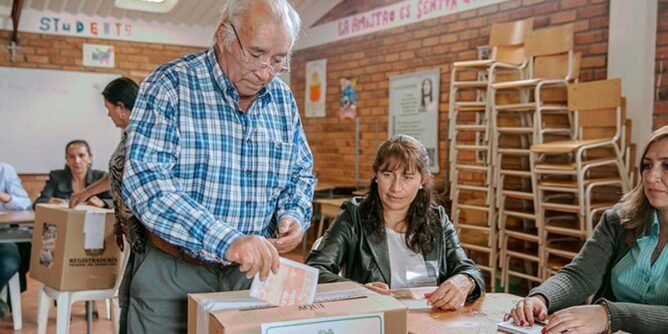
(471, 173)
(538, 110)
(584, 166)
(552, 65)
(507, 42)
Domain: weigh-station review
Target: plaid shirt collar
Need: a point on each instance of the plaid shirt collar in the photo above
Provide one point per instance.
(226, 85)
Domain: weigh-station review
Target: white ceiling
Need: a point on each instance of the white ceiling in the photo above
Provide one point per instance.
(202, 13)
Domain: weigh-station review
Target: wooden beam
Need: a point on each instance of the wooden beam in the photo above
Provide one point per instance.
(17, 6)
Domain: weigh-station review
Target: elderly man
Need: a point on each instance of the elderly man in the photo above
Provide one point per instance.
(12, 197)
(218, 169)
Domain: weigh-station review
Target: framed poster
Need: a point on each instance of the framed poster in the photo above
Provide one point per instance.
(316, 88)
(414, 104)
(97, 55)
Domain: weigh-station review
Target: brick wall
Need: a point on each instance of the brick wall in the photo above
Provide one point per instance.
(133, 59)
(661, 79)
(434, 43)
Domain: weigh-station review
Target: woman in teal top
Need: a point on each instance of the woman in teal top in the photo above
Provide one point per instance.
(624, 265)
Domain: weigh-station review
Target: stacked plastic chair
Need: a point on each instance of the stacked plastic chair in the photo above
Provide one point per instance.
(577, 179)
(471, 173)
(527, 112)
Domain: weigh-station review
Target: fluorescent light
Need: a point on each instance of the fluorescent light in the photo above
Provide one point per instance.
(153, 6)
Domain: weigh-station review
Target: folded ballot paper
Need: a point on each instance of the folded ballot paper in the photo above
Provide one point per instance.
(294, 284)
(413, 298)
(510, 327)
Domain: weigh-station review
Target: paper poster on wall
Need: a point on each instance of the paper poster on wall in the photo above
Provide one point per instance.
(348, 102)
(414, 100)
(316, 88)
(97, 55)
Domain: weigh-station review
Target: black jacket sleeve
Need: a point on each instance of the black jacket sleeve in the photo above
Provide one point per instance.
(456, 260)
(48, 191)
(333, 249)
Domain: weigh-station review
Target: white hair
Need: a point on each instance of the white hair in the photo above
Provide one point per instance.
(282, 11)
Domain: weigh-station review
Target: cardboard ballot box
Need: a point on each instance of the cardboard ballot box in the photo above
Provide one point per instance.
(340, 307)
(74, 249)
(375, 314)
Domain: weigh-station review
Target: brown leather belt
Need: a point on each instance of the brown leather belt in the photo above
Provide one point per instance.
(176, 252)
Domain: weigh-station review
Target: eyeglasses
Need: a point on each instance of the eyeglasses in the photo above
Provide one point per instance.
(254, 63)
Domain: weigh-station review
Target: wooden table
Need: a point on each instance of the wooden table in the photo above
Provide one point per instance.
(480, 317)
(17, 217)
(360, 192)
(11, 233)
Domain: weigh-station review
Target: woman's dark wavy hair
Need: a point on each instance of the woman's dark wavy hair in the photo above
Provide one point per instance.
(122, 90)
(404, 153)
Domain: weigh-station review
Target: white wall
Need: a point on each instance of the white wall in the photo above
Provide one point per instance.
(631, 55)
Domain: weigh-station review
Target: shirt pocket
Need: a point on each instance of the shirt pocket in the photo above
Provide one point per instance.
(273, 165)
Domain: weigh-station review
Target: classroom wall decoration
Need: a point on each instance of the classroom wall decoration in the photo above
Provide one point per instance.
(391, 16)
(316, 88)
(65, 24)
(97, 55)
(414, 100)
(348, 101)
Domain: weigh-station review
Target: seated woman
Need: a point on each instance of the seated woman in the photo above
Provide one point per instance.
(76, 176)
(624, 265)
(396, 236)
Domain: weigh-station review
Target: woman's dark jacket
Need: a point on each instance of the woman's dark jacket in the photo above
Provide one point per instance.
(59, 185)
(347, 247)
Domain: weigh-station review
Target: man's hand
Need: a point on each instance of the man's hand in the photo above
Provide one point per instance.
(5, 197)
(255, 254)
(290, 234)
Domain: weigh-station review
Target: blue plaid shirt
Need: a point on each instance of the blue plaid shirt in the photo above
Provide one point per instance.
(200, 173)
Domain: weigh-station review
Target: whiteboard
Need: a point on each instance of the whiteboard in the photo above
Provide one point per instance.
(42, 110)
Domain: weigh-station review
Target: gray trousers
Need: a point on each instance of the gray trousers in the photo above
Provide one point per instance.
(153, 293)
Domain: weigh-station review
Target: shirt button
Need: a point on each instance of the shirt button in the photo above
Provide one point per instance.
(646, 279)
(249, 172)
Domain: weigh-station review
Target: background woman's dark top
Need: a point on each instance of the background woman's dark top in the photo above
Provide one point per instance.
(59, 185)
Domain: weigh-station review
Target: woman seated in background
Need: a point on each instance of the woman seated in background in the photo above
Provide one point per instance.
(76, 176)
(396, 236)
(624, 265)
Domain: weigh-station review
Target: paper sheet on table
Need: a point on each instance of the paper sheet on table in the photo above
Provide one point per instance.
(94, 230)
(294, 284)
(414, 298)
(510, 327)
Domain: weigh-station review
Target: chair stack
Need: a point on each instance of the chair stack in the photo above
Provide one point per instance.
(577, 179)
(535, 157)
(526, 112)
(471, 126)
